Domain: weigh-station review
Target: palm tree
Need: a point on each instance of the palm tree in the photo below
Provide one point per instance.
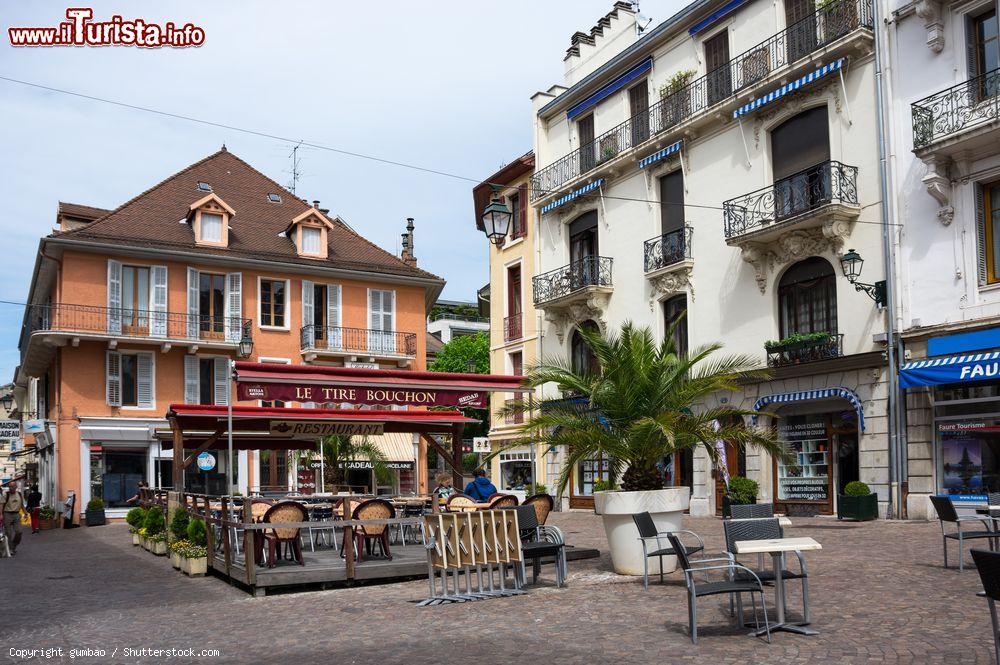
(340, 449)
(646, 401)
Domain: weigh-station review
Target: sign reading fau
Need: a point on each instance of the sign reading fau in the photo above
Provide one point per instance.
(376, 395)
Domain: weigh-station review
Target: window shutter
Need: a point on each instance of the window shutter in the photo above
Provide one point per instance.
(114, 297)
(144, 380)
(192, 305)
(522, 204)
(971, 59)
(221, 389)
(308, 318)
(981, 248)
(192, 380)
(113, 372)
(334, 338)
(158, 301)
(234, 306)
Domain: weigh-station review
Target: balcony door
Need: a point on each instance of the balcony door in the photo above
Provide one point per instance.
(801, 31)
(514, 305)
(800, 155)
(638, 104)
(212, 305)
(583, 250)
(984, 54)
(321, 325)
(719, 80)
(585, 132)
(135, 301)
(382, 324)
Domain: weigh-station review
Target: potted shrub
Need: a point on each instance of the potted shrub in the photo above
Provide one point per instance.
(641, 403)
(194, 558)
(156, 536)
(95, 512)
(135, 518)
(857, 502)
(740, 492)
(158, 543)
(46, 518)
(676, 98)
(178, 534)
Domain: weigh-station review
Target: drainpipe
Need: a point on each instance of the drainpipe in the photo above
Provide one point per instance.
(894, 508)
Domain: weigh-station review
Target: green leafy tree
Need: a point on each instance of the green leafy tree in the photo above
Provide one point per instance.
(464, 354)
(645, 402)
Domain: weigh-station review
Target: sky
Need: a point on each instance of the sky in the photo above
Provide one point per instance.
(443, 85)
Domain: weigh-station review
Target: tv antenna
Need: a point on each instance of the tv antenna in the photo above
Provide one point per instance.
(296, 174)
(641, 21)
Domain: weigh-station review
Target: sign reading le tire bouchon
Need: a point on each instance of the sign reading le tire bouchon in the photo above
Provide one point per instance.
(307, 429)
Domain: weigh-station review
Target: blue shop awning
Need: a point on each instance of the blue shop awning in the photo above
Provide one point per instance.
(788, 87)
(660, 154)
(950, 369)
(572, 195)
(823, 393)
(610, 88)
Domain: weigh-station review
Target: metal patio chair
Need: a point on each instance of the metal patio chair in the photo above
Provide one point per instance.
(946, 512)
(647, 532)
(988, 565)
(324, 530)
(539, 541)
(751, 511)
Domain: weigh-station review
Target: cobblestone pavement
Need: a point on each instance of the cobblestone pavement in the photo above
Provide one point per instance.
(879, 595)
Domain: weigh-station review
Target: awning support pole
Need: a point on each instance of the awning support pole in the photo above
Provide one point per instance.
(456, 452)
(229, 424)
(746, 148)
(843, 88)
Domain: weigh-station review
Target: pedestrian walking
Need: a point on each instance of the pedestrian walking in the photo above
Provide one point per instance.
(33, 503)
(12, 503)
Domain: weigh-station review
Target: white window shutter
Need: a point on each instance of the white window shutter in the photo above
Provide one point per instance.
(144, 376)
(192, 380)
(113, 373)
(308, 315)
(114, 297)
(234, 306)
(334, 338)
(158, 301)
(193, 303)
(221, 392)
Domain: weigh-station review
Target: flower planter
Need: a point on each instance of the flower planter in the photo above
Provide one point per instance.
(196, 567)
(136, 539)
(44, 524)
(175, 560)
(95, 517)
(665, 506)
(158, 547)
(144, 542)
(860, 508)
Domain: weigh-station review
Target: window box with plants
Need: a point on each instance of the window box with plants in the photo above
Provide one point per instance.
(46, 518)
(135, 518)
(802, 347)
(857, 503)
(740, 492)
(675, 100)
(178, 534)
(194, 555)
(95, 512)
(156, 531)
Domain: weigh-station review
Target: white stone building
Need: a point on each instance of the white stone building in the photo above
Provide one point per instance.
(740, 139)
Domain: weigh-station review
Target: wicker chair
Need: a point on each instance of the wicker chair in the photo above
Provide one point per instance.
(258, 509)
(499, 501)
(751, 511)
(988, 564)
(543, 505)
(946, 513)
(459, 502)
(282, 512)
(369, 534)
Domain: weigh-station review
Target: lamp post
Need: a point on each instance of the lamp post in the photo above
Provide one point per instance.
(851, 263)
(496, 218)
(243, 351)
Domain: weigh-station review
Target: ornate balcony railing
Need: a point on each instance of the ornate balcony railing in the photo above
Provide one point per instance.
(451, 316)
(960, 107)
(804, 352)
(338, 339)
(515, 417)
(667, 249)
(798, 194)
(797, 41)
(136, 323)
(589, 271)
(512, 327)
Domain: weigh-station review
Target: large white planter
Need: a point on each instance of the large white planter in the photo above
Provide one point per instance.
(666, 507)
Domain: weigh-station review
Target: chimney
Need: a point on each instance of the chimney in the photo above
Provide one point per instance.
(316, 204)
(407, 253)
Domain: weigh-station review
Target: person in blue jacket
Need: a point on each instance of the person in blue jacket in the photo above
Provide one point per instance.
(480, 488)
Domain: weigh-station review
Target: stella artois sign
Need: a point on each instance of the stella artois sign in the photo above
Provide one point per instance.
(313, 429)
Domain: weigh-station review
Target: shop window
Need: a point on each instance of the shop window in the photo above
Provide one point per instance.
(272, 302)
(591, 471)
(807, 298)
(515, 470)
(967, 431)
(115, 475)
(273, 470)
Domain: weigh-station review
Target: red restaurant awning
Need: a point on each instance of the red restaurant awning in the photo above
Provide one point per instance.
(353, 385)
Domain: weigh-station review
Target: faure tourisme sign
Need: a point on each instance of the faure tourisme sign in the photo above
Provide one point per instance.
(293, 392)
(311, 429)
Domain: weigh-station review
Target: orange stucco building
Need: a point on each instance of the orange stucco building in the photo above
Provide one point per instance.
(138, 307)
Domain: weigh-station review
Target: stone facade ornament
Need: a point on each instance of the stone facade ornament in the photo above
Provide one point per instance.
(670, 283)
(564, 317)
(930, 12)
(794, 246)
(939, 186)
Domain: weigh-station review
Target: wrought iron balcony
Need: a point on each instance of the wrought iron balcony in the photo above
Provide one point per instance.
(592, 271)
(961, 107)
(789, 198)
(783, 354)
(668, 249)
(512, 327)
(740, 75)
(338, 340)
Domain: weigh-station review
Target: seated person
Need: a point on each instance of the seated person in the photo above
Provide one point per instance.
(480, 488)
(444, 487)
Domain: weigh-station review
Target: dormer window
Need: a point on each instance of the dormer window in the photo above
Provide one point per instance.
(209, 217)
(310, 233)
(211, 227)
(312, 238)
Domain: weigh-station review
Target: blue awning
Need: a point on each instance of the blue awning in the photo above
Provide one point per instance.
(951, 369)
(823, 393)
(610, 88)
(572, 195)
(660, 154)
(726, 9)
(788, 87)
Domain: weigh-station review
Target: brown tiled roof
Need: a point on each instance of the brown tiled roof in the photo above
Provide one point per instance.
(153, 220)
(510, 172)
(79, 211)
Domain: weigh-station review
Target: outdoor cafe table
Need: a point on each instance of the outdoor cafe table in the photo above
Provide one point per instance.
(776, 548)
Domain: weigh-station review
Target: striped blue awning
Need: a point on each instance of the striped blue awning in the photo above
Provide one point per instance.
(725, 10)
(610, 89)
(805, 395)
(660, 154)
(788, 87)
(572, 195)
(950, 369)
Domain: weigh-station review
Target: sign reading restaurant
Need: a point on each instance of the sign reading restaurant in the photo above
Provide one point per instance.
(311, 429)
(304, 392)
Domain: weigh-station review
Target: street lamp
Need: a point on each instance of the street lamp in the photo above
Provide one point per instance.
(496, 219)
(851, 263)
(246, 344)
(7, 401)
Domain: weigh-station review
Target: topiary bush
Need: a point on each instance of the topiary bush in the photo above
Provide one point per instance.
(155, 522)
(856, 488)
(96, 503)
(136, 517)
(742, 490)
(179, 524)
(196, 532)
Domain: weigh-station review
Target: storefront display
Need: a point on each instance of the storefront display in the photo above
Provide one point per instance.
(808, 479)
(968, 441)
(515, 470)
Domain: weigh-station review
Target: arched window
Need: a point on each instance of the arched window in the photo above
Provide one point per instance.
(582, 358)
(807, 298)
(673, 310)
